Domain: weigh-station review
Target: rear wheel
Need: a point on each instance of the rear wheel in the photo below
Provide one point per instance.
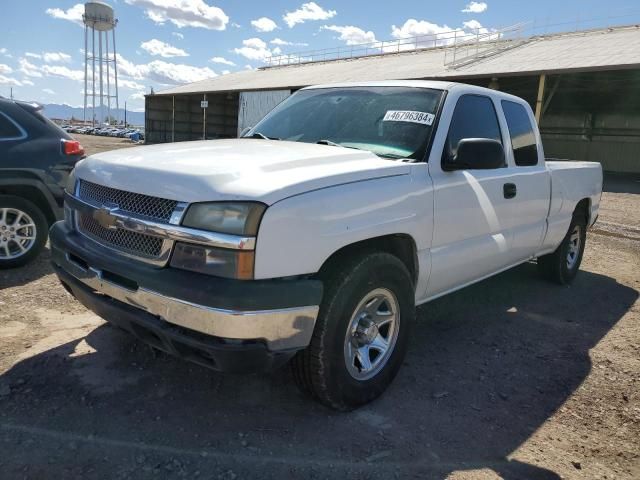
(23, 231)
(562, 265)
(361, 333)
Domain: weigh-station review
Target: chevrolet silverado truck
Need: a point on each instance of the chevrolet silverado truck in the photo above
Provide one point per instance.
(312, 239)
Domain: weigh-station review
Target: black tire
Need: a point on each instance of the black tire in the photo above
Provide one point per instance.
(41, 228)
(555, 266)
(321, 369)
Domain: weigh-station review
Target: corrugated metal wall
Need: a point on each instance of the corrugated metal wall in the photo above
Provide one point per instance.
(255, 105)
(181, 118)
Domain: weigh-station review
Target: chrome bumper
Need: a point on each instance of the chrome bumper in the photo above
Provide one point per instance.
(282, 329)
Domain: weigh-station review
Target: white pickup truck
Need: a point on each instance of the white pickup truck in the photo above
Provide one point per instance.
(313, 238)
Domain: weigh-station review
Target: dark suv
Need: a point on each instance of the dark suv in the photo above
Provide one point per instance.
(36, 157)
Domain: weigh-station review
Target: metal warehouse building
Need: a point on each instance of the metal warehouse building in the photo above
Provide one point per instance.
(584, 86)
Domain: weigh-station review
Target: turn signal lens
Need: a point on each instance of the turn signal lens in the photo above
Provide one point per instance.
(219, 262)
(72, 147)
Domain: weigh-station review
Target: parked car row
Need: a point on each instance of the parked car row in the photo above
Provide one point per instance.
(132, 133)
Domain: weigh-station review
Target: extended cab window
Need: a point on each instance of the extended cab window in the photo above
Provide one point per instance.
(8, 129)
(473, 117)
(523, 138)
(392, 122)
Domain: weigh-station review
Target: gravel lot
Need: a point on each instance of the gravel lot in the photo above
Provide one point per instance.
(513, 378)
(94, 144)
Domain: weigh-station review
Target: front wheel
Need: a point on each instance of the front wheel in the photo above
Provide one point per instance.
(562, 265)
(23, 231)
(361, 334)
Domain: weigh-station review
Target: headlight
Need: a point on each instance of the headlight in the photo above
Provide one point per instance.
(70, 187)
(234, 218)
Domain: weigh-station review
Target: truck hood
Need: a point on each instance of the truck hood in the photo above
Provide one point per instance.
(237, 169)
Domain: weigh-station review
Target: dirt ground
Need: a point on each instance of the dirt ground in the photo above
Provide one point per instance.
(95, 144)
(511, 378)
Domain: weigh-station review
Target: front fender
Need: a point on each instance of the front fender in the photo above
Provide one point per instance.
(298, 234)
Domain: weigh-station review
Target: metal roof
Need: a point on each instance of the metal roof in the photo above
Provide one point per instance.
(605, 49)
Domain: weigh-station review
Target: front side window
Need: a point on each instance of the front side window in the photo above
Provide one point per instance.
(473, 117)
(523, 137)
(9, 130)
(391, 122)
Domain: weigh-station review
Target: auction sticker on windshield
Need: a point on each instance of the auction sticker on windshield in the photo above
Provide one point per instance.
(409, 116)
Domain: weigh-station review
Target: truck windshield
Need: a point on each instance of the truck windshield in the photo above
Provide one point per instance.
(392, 122)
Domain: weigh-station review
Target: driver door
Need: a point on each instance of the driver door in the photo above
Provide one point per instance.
(472, 236)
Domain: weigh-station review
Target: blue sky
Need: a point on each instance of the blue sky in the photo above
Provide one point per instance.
(167, 42)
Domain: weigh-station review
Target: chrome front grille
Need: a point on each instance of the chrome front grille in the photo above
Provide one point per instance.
(155, 208)
(133, 243)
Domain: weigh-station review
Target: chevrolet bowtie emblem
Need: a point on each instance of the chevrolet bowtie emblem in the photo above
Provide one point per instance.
(105, 216)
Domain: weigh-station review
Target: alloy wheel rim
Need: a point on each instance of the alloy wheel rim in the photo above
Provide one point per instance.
(17, 233)
(372, 334)
(573, 252)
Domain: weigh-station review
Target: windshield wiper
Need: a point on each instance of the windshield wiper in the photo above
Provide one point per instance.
(262, 136)
(334, 144)
(392, 156)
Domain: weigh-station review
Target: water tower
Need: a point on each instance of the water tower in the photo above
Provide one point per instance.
(99, 20)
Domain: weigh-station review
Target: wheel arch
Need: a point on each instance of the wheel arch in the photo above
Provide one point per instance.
(401, 245)
(583, 207)
(33, 192)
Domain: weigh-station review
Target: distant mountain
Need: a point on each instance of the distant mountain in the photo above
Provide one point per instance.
(53, 110)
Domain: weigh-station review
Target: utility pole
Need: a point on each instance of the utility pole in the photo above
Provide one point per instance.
(125, 114)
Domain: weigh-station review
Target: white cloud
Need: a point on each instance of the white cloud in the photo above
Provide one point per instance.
(351, 35)
(29, 69)
(56, 57)
(223, 61)
(4, 51)
(475, 7)
(279, 41)
(184, 13)
(225, 72)
(124, 83)
(248, 67)
(414, 28)
(158, 47)
(48, 91)
(475, 25)
(178, 35)
(236, 25)
(10, 81)
(26, 81)
(5, 69)
(50, 57)
(175, 74)
(74, 14)
(255, 49)
(163, 72)
(62, 72)
(307, 11)
(137, 96)
(264, 24)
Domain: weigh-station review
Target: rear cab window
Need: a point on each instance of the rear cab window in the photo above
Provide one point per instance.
(474, 117)
(522, 133)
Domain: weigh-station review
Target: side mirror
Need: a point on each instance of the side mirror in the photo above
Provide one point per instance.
(244, 131)
(476, 154)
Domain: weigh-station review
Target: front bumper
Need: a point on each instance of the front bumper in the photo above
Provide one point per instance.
(276, 317)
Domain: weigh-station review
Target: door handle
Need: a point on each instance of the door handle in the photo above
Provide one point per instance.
(509, 190)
